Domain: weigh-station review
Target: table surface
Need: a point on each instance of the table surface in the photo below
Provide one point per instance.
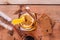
(52, 11)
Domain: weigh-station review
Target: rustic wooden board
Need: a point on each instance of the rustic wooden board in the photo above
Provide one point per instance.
(51, 11)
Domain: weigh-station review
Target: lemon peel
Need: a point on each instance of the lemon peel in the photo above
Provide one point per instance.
(17, 21)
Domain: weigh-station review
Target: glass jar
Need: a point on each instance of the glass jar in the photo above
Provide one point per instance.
(29, 22)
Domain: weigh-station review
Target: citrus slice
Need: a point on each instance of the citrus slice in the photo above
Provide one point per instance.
(27, 24)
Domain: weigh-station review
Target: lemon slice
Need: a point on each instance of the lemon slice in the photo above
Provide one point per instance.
(28, 21)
